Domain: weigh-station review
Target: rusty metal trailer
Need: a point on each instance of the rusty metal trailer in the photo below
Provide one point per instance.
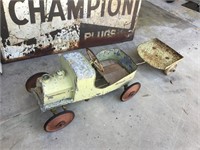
(159, 55)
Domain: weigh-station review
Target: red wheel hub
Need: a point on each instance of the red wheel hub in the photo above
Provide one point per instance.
(130, 91)
(59, 121)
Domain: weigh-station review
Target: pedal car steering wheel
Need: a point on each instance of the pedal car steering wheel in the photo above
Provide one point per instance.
(95, 60)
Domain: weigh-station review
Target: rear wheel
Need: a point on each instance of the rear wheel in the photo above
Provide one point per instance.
(59, 121)
(31, 82)
(130, 91)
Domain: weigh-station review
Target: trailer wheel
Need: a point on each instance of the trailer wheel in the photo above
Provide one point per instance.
(130, 91)
(59, 121)
(31, 82)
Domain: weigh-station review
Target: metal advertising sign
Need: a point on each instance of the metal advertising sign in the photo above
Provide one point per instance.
(31, 28)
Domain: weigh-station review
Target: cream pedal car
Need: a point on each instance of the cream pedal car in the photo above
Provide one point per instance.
(82, 79)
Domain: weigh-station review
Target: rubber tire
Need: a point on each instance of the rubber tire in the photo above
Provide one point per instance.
(130, 91)
(59, 121)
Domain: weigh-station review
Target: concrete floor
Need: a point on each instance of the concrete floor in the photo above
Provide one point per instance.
(165, 114)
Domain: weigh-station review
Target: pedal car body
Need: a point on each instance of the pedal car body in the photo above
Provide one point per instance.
(81, 79)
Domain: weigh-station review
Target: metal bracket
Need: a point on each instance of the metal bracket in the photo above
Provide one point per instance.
(54, 111)
(140, 63)
(125, 86)
(64, 108)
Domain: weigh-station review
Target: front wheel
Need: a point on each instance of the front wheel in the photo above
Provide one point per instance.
(130, 91)
(59, 121)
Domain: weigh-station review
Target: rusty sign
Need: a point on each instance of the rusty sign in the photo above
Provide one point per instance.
(31, 28)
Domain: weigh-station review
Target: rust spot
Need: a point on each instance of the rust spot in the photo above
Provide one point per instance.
(42, 51)
(160, 58)
(166, 57)
(38, 52)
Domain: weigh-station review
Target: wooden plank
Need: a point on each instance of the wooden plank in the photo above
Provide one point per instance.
(113, 73)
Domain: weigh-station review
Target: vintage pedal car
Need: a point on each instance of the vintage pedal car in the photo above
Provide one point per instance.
(81, 79)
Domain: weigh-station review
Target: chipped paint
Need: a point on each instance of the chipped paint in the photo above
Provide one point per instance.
(80, 65)
(67, 38)
(118, 55)
(159, 55)
(76, 80)
(39, 27)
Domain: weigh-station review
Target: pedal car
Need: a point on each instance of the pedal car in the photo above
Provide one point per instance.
(82, 79)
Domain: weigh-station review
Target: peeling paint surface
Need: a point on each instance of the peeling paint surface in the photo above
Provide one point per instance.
(158, 54)
(67, 38)
(77, 81)
(80, 65)
(120, 56)
(40, 27)
(11, 52)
